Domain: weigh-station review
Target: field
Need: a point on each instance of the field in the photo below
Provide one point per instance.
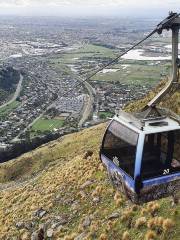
(104, 115)
(8, 109)
(43, 125)
(134, 72)
(89, 50)
(128, 71)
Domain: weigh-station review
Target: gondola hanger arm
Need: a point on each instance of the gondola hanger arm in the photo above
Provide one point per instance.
(173, 23)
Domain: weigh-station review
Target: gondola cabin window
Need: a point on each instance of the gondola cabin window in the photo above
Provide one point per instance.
(161, 154)
(120, 145)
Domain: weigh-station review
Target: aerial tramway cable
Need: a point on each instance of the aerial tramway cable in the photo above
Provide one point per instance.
(157, 29)
(108, 64)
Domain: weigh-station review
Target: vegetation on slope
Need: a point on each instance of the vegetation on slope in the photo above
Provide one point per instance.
(9, 77)
(172, 102)
(73, 197)
(61, 191)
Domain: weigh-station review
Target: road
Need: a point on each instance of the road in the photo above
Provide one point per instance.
(88, 104)
(86, 111)
(16, 94)
(89, 99)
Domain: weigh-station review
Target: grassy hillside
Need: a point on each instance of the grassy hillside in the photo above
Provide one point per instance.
(61, 191)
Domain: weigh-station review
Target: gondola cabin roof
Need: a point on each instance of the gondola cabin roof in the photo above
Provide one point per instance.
(149, 125)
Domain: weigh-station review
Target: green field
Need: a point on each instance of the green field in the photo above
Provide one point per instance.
(8, 109)
(105, 115)
(89, 50)
(43, 125)
(134, 73)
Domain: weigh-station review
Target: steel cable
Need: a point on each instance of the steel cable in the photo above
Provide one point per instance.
(80, 77)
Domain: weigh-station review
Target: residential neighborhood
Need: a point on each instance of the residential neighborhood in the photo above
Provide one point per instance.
(52, 94)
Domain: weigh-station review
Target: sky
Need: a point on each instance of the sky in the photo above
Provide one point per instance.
(82, 8)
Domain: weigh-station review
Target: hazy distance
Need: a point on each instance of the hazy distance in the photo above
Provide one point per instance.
(88, 8)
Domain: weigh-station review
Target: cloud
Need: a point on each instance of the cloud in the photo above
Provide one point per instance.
(121, 3)
(87, 7)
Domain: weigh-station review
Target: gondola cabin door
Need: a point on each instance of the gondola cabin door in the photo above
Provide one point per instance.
(119, 153)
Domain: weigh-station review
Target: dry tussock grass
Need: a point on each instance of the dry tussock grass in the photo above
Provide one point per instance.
(63, 180)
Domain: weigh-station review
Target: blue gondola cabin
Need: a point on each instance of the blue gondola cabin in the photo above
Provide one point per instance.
(142, 156)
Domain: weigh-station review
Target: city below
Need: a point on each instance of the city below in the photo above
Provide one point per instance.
(43, 94)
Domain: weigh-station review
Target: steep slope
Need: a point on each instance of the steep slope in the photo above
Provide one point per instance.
(61, 191)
